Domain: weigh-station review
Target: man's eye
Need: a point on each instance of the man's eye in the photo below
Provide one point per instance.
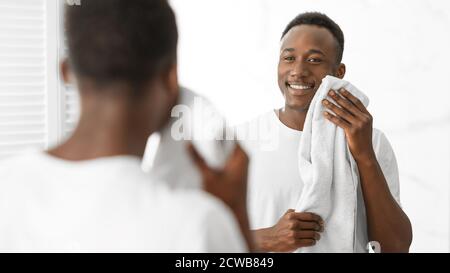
(289, 59)
(314, 60)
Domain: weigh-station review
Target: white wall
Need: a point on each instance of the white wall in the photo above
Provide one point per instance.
(397, 52)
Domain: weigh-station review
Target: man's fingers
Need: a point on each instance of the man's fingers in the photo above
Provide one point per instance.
(344, 103)
(238, 159)
(310, 226)
(289, 211)
(306, 216)
(305, 242)
(297, 225)
(339, 111)
(354, 100)
(307, 234)
(337, 121)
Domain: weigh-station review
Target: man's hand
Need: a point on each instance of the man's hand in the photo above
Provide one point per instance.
(228, 184)
(352, 116)
(294, 230)
(387, 223)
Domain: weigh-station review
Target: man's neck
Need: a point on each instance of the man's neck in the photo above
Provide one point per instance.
(293, 118)
(103, 131)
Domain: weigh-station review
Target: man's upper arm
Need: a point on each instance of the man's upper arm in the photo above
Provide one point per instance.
(388, 163)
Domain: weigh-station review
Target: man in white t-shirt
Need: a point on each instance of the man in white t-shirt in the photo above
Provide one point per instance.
(311, 48)
(90, 194)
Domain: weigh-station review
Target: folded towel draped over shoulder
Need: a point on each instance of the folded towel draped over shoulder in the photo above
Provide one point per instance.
(329, 173)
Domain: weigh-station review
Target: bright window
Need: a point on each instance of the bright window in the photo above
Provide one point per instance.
(36, 109)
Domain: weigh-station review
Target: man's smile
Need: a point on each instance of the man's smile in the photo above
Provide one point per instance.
(300, 88)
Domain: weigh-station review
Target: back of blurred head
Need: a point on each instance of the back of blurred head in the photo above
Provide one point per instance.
(122, 55)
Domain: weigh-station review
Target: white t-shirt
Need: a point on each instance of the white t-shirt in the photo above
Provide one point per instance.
(274, 182)
(105, 205)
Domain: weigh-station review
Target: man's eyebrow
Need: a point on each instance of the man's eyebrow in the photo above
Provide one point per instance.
(312, 51)
(290, 49)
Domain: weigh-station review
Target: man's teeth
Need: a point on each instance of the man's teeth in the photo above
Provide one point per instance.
(300, 87)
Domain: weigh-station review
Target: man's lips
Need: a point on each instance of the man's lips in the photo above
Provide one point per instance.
(300, 89)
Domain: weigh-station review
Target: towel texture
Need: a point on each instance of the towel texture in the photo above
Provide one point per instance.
(329, 173)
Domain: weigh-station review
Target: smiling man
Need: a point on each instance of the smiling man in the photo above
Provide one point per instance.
(312, 47)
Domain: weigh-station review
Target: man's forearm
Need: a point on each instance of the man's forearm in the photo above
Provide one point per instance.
(242, 219)
(386, 221)
(261, 239)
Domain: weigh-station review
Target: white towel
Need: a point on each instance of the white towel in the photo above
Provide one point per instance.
(166, 157)
(329, 173)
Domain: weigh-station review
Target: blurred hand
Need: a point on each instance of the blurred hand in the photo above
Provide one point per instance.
(228, 184)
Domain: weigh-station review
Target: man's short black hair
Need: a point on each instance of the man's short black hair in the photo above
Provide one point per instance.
(321, 20)
(127, 41)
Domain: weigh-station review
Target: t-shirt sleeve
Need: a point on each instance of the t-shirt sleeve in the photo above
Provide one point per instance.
(388, 163)
(221, 231)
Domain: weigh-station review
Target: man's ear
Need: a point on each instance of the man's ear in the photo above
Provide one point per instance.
(66, 73)
(340, 71)
(171, 82)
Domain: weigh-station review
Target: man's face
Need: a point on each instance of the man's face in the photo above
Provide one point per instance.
(308, 54)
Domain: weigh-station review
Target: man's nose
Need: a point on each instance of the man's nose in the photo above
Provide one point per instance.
(300, 70)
